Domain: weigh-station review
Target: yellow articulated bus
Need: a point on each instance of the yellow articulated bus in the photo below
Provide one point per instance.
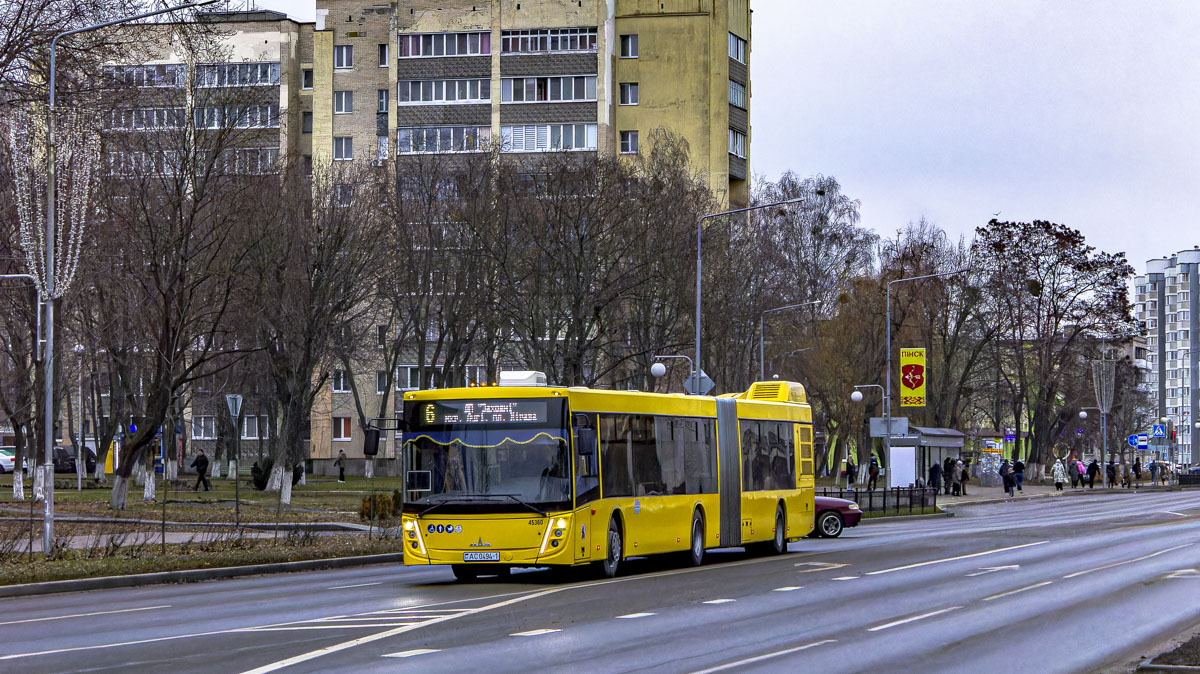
(529, 475)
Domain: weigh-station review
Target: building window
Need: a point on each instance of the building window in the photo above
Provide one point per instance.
(737, 143)
(237, 75)
(250, 428)
(427, 139)
(629, 93)
(548, 40)
(737, 94)
(249, 160)
(445, 44)
(737, 48)
(204, 428)
(381, 336)
(343, 56)
(343, 149)
(629, 142)
(142, 119)
(306, 122)
(545, 137)
(543, 89)
(383, 56)
(381, 96)
(343, 196)
(381, 149)
(343, 102)
(341, 429)
(306, 78)
(236, 116)
(629, 46)
(413, 92)
(341, 383)
(167, 75)
(380, 382)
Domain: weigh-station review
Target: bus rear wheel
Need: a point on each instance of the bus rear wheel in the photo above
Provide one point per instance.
(464, 572)
(779, 543)
(612, 558)
(697, 548)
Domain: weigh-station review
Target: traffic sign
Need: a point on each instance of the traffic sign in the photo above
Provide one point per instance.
(1160, 431)
(1143, 441)
(1133, 440)
(706, 384)
(234, 402)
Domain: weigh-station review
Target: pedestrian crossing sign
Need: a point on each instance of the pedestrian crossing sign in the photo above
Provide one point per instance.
(1160, 431)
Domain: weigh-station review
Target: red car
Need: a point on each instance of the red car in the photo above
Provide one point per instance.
(833, 515)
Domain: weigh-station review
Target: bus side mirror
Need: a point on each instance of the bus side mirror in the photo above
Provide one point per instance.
(418, 480)
(371, 442)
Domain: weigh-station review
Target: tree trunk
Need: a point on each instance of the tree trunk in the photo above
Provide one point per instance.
(39, 483)
(216, 469)
(119, 490)
(285, 493)
(303, 475)
(18, 485)
(139, 474)
(233, 469)
(148, 488)
(369, 469)
(274, 484)
(99, 472)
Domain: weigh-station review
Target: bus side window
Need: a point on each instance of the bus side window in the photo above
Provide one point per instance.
(587, 477)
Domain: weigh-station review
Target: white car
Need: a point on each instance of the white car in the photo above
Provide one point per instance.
(8, 459)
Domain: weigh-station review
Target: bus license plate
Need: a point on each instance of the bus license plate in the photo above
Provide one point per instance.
(481, 556)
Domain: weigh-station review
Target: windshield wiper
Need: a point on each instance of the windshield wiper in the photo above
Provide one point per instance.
(477, 498)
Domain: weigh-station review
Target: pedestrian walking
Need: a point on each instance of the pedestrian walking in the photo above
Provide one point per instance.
(1137, 469)
(1093, 470)
(947, 465)
(1073, 472)
(1059, 472)
(1019, 472)
(935, 476)
(1006, 475)
(1153, 472)
(851, 473)
(966, 474)
(341, 465)
(1082, 472)
(956, 477)
(200, 463)
(872, 474)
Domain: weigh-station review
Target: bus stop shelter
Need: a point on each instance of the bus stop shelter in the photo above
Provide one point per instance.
(914, 452)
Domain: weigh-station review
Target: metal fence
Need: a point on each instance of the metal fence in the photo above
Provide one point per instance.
(898, 500)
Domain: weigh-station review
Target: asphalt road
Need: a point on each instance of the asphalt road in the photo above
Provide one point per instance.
(1071, 584)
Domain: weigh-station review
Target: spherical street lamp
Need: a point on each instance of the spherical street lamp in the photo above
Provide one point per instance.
(856, 396)
(1082, 414)
(658, 369)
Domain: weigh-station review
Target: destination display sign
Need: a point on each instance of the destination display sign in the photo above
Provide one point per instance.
(471, 412)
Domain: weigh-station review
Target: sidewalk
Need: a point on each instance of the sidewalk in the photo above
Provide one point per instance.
(978, 494)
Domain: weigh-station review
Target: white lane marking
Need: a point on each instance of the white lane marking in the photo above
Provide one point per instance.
(820, 566)
(322, 627)
(787, 588)
(765, 656)
(84, 615)
(847, 577)
(311, 655)
(915, 618)
(534, 633)
(1172, 512)
(1027, 587)
(952, 559)
(346, 587)
(718, 601)
(984, 570)
(1128, 561)
(415, 651)
(635, 615)
(1185, 573)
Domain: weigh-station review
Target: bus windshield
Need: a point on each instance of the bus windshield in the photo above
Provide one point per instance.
(489, 455)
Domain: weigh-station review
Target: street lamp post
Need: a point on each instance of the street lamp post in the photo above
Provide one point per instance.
(1103, 441)
(762, 362)
(887, 399)
(699, 276)
(1170, 424)
(49, 290)
(857, 397)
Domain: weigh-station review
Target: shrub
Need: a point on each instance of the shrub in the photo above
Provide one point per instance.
(397, 503)
(376, 506)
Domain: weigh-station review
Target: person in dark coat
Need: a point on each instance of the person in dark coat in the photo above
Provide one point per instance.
(200, 463)
(1093, 470)
(1006, 474)
(1019, 472)
(851, 473)
(946, 465)
(341, 465)
(965, 476)
(872, 474)
(1137, 469)
(935, 476)
(1112, 474)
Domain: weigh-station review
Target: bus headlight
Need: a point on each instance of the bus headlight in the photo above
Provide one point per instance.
(562, 524)
(409, 525)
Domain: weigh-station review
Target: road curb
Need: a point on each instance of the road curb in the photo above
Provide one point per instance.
(194, 575)
(905, 518)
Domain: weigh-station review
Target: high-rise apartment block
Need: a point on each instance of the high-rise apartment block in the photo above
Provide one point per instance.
(1165, 299)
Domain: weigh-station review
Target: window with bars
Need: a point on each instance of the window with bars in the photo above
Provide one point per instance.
(548, 40)
(419, 45)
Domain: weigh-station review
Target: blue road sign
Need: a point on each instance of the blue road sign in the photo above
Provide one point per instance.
(1160, 431)
(1143, 441)
(1133, 440)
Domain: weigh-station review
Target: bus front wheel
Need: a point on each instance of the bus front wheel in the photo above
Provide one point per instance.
(465, 573)
(612, 558)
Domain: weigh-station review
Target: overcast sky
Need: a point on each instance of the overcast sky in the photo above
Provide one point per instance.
(1079, 112)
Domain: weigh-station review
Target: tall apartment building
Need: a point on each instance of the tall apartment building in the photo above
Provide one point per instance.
(1165, 298)
(383, 81)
